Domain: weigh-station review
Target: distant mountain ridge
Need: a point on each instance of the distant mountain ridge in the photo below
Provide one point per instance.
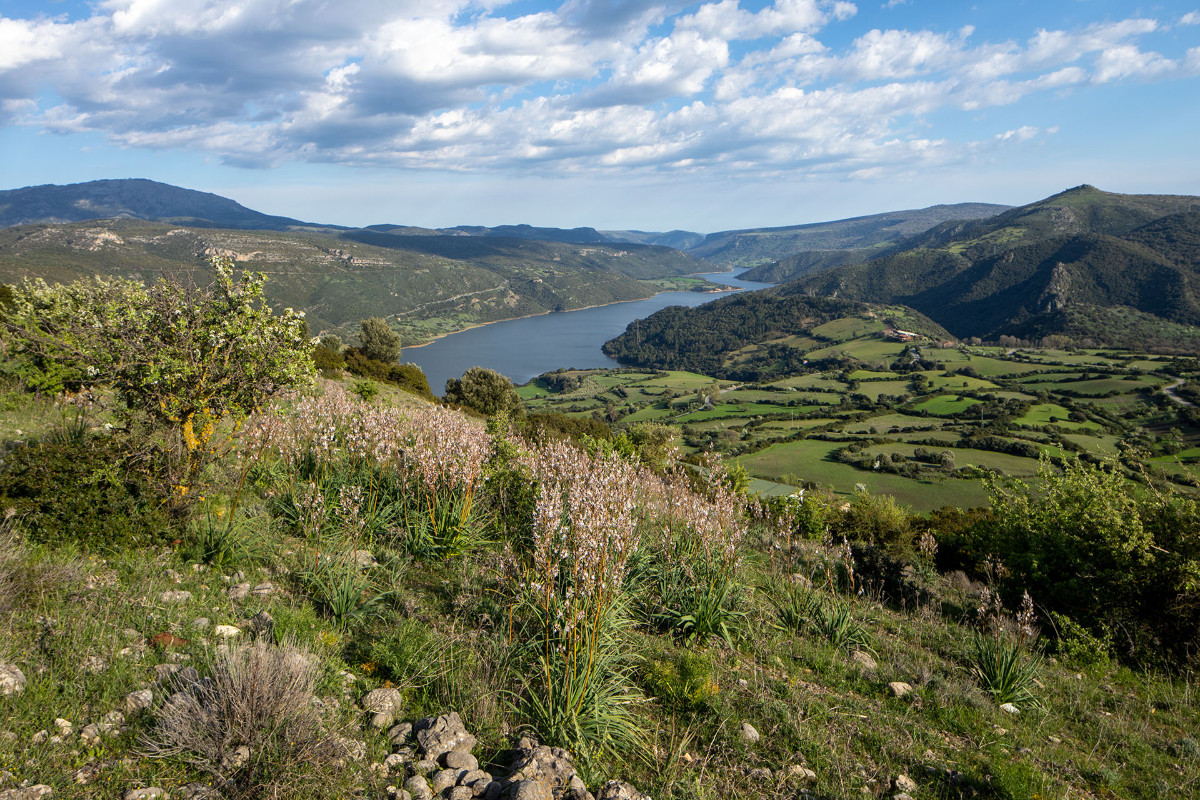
(757, 246)
(131, 198)
(1036, 270)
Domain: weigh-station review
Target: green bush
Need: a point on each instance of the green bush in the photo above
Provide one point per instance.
(88, 494)
(1004, 669)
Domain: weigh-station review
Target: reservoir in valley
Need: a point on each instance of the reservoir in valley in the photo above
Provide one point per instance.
(521, 349)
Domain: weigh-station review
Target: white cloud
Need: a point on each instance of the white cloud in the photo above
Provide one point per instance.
(1190, 18)
(594, 85)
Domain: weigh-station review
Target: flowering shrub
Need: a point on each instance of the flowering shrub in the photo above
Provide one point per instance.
(180, 358)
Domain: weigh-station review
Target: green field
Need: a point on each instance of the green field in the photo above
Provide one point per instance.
(946, 404)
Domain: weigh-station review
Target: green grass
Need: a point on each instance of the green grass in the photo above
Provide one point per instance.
(946, 404)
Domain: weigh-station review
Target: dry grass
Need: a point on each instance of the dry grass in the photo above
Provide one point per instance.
(252, 725)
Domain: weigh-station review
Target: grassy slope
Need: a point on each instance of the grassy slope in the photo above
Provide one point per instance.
(1102, 731)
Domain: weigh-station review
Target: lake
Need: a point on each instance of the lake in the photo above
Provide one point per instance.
(521, 349)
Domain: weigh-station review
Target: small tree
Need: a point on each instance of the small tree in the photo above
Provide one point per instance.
(181, 359)
(484, 390)
(379, 341)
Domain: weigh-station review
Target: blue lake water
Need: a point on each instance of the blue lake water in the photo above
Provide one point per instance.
(521, 349)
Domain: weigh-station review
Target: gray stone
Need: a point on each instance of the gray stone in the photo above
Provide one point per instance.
(12, 680)
(136, 701)
(761, 774)
(200, 623)
(442, 734)
(803, 773)
(175, 596)
(900, 688)
(263, 589)
(619, 790)
(530, 789)
(227, 631)
(149, 793)
(444, 779)
(460, 793)
(458, 759)
(364, 559)
(902, 796)
(261, 624)
(400, 734)
(903, 783)
(863, 659)
(551, 766)
(493, 790)
(749, 733)
(1010, 708)
(418, 787)
(351, 749)
(476, 778)
(395, 762)
(239, 591)
(384, 706)
(426, 766)
(235, 759)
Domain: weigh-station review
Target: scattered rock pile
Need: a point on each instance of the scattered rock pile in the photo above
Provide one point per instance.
(433, 757)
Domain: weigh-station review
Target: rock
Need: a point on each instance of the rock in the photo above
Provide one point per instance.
(164, 671)
(529, 789)
(384, 706)
(426, 767)
(239, 591)
(903, 783)
(445, 778)
(900, 688)
(227, 631)
(902, 796)
(64, 726)
(577, 791)
(743, 683)
(864, 660)
(93, 665)
(136, 701)
(263, 589)
(12, 680)
(28, 793)
(114, 718)
(493, 790)
(442, 734)
(396, 793)
(400, 734)
(235, 759)
(175, 597)
(761, 774)
(196, 791)
(39, 737)
(261, 624)
(1010, 708)
(460, 793)
(91, 733)
(364, 560)
(200, 623)
(749, 733)
(619, 790)
(803, 773)
(149, 793)
(458, 759)
(550, 766)
(476, 779)
(418, 787)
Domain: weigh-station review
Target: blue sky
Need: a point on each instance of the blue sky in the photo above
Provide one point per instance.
(608, 113)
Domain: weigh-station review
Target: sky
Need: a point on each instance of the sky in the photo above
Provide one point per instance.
(615, 114)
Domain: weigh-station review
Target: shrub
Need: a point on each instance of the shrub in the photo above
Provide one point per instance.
(252, 725)
(379, 341)
(181, 359)
(89, 494)
(484, 390)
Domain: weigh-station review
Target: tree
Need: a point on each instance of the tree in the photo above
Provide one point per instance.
(379, 341)
(484, 390)
(180, 359)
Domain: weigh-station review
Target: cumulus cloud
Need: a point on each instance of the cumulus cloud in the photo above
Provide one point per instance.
(590, 85)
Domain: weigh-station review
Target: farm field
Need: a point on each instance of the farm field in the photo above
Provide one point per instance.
(987, 409)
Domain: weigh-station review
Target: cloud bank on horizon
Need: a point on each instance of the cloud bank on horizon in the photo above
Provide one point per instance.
(822, 88)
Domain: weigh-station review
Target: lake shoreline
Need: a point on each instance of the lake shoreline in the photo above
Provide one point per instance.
(570, 310)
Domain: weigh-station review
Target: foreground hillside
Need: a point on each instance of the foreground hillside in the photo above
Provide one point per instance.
(1058, 266)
